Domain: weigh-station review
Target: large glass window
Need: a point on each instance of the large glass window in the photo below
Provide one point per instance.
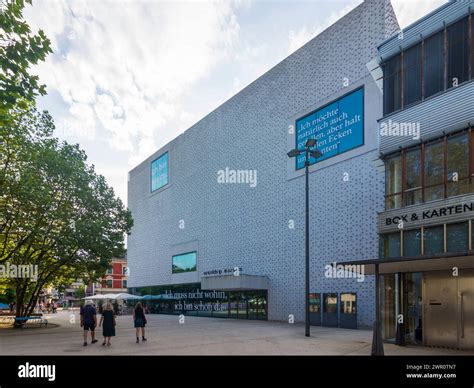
(393, 182)
(472, 47)
(433, 240)
(388, 306)
(390, 245)
(439, 62)
(412, 192)
(458, 165)
(185, 262)
(440, 169)
(458, 53)
(412, 75)
(159, 172)
(434, 171)
(412, 242)
(392, 85)
(457, 237)
(434, 64)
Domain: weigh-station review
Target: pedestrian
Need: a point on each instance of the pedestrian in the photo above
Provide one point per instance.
(108, 319)
(89, 321)
(12, 306)
(139, 321)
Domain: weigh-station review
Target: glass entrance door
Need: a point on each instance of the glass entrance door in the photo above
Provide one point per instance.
(466, 309)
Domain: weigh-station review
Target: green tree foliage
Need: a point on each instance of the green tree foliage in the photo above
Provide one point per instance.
(56, 212)
(19, 49)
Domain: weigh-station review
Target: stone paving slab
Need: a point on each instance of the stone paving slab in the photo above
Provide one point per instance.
(199, 336)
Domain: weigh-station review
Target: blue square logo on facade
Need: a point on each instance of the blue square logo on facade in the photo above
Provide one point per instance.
(338, 127)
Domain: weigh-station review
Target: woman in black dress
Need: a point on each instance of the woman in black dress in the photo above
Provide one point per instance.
(139, 321)
(108, 318)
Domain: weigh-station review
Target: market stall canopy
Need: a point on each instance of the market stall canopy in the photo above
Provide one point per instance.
(95, 297)
(121, 296)
(125, 296)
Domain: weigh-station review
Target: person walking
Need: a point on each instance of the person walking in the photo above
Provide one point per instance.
(139, 321)
(108, 319)
(89, 321)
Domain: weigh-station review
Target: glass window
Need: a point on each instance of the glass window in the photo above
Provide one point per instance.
(184, 263)
(108, 283)
(392, 85)
(388, 305)
(458, 52)
(390, 245)
(393, 182)
(233, 305)
(412, 75)
(434, 171)
(124, 284)
(262, 305)
(413, 193)
(434, 64)
(472, 47)
(253, 305)
(457, 237)
(330, 303)
(349, 303)
(458, 165)
(412, 242)
(159, 172)
(110, 271)
(433, 240)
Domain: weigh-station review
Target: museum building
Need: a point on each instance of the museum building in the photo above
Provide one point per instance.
(219, 211)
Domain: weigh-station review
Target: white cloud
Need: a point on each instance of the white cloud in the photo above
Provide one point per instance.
(80, 124)
(302, 36)
(408, 11)
(124, 67)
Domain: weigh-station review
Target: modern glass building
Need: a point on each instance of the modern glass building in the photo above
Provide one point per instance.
(427, 146)
(219, 211)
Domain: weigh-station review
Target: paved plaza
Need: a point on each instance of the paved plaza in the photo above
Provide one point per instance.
(198, 336)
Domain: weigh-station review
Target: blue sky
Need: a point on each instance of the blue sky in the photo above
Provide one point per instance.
(126, 77)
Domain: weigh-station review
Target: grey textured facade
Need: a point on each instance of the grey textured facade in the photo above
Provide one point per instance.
(231, 225)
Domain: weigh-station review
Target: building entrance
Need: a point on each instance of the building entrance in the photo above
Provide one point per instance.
(448, 309)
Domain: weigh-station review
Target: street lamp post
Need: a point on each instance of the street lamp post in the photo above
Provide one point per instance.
(307, 150)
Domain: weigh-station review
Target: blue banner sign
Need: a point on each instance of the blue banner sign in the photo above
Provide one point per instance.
(338, 127)
(159, 172)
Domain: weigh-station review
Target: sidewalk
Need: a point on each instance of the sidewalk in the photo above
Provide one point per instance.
(199, 336)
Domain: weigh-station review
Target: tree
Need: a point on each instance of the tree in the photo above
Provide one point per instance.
(56, 213)
(19, 49)
(80, 292)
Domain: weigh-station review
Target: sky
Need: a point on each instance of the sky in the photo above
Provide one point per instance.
(128, 76)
